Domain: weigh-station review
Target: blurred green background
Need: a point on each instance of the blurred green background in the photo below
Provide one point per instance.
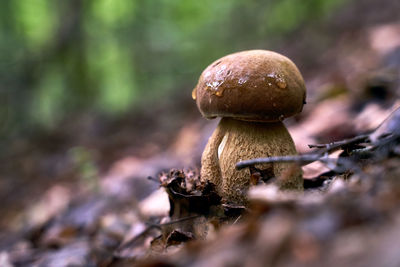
(63, 58)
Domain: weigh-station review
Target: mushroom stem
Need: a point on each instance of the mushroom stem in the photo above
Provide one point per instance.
(209, 158)
(247, 140)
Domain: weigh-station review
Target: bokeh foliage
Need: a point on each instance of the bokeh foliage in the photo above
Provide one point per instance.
(59, 58)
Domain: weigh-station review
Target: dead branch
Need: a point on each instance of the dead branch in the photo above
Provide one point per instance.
(331, 147)
(302, 160)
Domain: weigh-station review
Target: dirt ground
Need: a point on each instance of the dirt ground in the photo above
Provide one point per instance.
(79, 198)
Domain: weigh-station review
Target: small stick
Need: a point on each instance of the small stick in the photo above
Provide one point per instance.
(302, 160)
(338, 144)
(159, 225)
(306, 158)
(237, 219)
(150, 178)
(149, 227)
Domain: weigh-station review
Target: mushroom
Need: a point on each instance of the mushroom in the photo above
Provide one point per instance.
(253, 91)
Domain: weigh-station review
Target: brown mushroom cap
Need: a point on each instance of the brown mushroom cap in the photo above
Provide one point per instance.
(254, 85)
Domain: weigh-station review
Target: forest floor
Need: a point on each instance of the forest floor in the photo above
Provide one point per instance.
(83, 198)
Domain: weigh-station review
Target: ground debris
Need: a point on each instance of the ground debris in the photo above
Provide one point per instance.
(354, 220)
(312, 229)
(383, 142)
(195, 211)
(187, 194)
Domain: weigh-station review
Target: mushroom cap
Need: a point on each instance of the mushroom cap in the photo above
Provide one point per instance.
(254, 85)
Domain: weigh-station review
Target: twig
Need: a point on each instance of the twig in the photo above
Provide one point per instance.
(180, 194)
(237, 219)
(330, 147)
(376, 147)
(153, 179)
(302, 160)
(318, 155)
(149, 227)
(159, 225)
(117, 252)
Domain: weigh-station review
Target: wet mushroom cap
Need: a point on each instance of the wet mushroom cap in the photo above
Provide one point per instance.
(254, 85)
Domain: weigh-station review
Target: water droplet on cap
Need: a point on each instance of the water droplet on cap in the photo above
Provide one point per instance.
(242, 80)
(277, 79)
(281, 83)
(215, 87)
